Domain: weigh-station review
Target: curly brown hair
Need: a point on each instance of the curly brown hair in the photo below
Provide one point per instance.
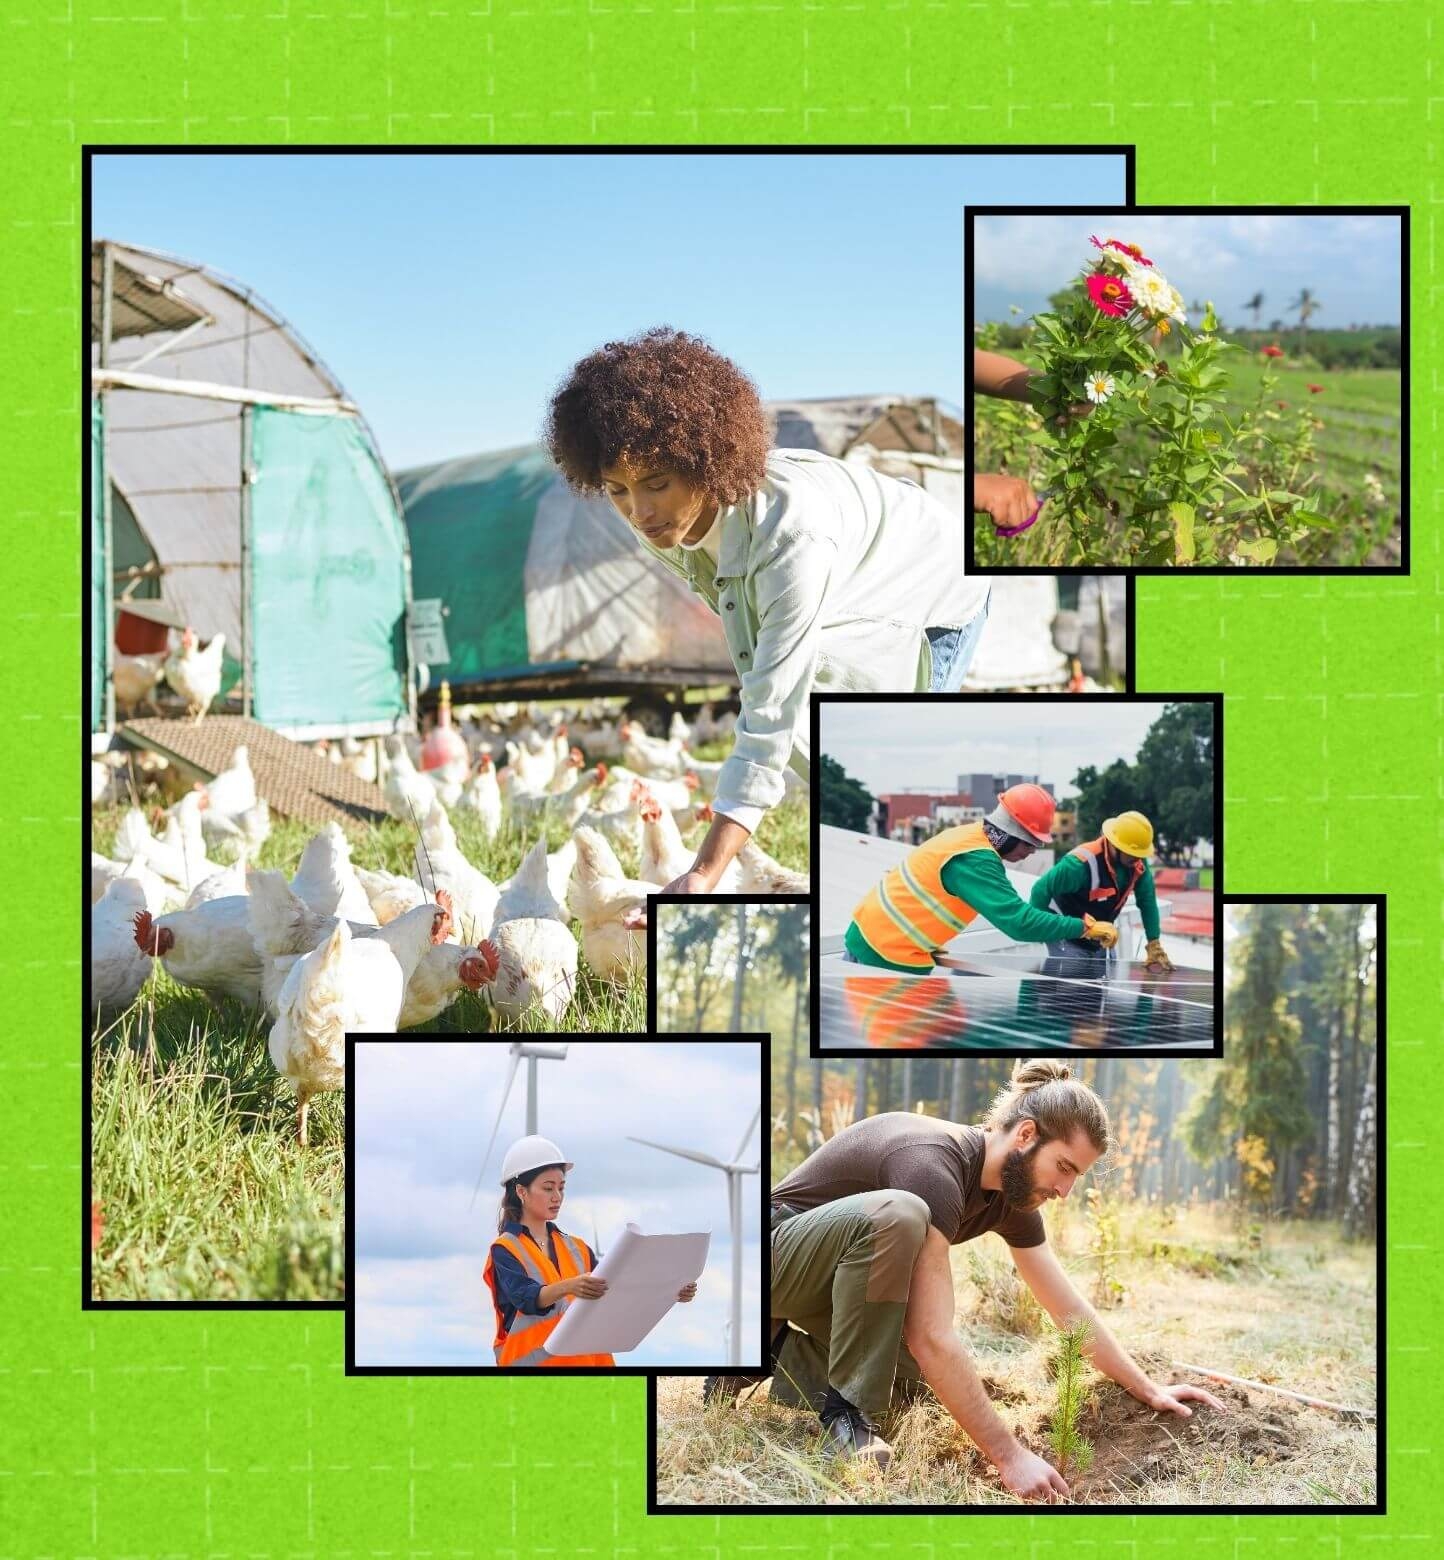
(662, 398)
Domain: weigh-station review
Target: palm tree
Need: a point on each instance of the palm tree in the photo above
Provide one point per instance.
(1306, 305)
(1254, 306)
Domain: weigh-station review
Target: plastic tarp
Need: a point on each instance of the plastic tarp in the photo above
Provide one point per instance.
(177, 458)
(531, 574)
(99, 571)
(327, 587)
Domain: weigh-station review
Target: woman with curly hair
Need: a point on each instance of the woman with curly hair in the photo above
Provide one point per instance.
(825, 573)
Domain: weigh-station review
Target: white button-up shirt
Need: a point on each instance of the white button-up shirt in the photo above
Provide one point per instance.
(826, 577)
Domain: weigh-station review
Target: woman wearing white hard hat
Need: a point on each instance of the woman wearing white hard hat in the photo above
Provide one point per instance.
(534, 1269)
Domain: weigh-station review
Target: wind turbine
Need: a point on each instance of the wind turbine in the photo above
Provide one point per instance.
(735, 1171)
(533, 1052)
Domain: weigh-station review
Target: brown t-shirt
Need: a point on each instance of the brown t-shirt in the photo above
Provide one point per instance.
(939, 1161)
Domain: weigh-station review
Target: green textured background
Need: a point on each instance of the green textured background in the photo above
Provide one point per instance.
(237, 1435)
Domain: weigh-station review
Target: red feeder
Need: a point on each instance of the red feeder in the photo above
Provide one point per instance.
(143, 627)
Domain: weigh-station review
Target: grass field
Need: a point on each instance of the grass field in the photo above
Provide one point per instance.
(1360, 410)
(1298, 1313)
(203, 1190)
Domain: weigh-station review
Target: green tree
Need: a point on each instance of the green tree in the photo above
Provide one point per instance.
(1257, 1100)
(846, 803)
(1106, 793)
(1176, 775)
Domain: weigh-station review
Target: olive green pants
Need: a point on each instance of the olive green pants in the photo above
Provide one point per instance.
(840, 1276)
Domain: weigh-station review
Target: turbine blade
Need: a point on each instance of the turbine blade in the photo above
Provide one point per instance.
(496, 1126)
(747, 1135)
(685, 1153)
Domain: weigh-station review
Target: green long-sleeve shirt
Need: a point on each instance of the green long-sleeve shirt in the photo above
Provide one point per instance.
(1071, 876)
(978, 878)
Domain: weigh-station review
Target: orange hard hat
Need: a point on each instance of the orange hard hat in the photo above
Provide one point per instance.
(1030, 809)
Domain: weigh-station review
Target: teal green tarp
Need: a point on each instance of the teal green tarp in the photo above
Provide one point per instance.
(470, 521)
(326, 585)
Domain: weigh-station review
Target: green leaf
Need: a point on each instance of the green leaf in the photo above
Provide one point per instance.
(1050, 324)
(1210, 319)
(1262, 551)
(1310, 518)
(1074, 479)
(1182, 517)
(1196, 473)
(1282, 496)
(1235, 470)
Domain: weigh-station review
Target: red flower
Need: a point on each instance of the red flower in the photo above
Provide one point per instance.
(1109, 294)
(1282, 403)
(1316, 389)
(1272, 351)
(1131, 250)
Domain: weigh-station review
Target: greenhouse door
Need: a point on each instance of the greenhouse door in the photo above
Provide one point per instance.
(325, 582)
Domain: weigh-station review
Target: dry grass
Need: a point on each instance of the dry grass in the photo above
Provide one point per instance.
(1299, 1315)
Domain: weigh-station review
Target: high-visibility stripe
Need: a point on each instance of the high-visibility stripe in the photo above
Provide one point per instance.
(899, 920)
(523, 1343)
(936, 906)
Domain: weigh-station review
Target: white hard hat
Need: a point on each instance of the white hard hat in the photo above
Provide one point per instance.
(531, 1153)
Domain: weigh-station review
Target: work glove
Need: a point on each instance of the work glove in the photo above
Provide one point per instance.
(1157, 959)
(1104, 933)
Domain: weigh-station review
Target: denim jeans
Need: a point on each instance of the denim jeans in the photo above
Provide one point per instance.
(953, 651)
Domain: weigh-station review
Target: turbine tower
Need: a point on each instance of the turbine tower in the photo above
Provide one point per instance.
(735, 1170)
(533, 1052)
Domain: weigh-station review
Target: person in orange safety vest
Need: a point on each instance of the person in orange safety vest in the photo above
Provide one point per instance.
(949, 880)
(535, 1270)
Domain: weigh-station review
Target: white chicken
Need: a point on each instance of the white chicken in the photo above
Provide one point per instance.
(179, 856)
(227, 881)
(531, 889)
(664, 856)
(677, 796)
(662, 760)
(134, 678)
(118, 968)
(481, 795)
(537, 952)
(346, 986)
(361, 761)
(195, 674)
(679, 730)
(208, 948)
(409, 794)
(159, 895)
(390, 894)
(445, 971)
(441, 865)
(602, 899)
(327, 881)
(707, 729)
(760, 874)
(234, 789)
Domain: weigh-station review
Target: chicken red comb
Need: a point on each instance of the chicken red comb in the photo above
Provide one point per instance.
(651, 809)
(490, 957)
(483, 763)
(638, 791)
(152, 940)
(444, 899)
(690, 781)
(441, 921)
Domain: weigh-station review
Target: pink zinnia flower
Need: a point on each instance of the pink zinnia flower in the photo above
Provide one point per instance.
(1272, 351)
(1109, 294)
(1316, 389)
(1131, 250)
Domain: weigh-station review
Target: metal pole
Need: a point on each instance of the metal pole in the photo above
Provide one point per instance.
(108, 586)
(531, 1095)
(247, 677)
(734, 1210)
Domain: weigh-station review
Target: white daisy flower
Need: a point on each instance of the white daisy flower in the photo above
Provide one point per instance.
(1152, 291)
(1177, 311)
(1099, 387)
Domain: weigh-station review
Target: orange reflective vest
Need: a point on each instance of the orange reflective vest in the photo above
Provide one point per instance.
(1105, 898)
(910, 913)
(523, 1342)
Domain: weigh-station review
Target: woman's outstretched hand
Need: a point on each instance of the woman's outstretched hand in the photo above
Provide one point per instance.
(687, 1292)
(692, 882)
(587, 1286)
(1009, 500)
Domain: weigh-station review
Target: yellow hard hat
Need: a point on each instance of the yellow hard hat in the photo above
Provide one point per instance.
(1131, 833)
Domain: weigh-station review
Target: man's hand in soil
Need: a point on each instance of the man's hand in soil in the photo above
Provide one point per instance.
(1029, 1477)
(1172, 1399)
(1009, 500)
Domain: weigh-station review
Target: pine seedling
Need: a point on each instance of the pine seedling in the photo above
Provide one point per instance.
(1069, 1369)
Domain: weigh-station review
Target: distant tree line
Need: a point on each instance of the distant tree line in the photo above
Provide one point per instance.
(1286, 1125)
(1172, 781)
(845, 803)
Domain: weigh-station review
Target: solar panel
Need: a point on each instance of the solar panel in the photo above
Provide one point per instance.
(1016, 1000)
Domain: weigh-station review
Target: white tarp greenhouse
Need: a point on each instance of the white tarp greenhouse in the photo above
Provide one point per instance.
(258, 497)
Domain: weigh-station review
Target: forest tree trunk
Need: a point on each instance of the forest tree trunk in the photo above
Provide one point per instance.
(740, 979)
(1360, 1218)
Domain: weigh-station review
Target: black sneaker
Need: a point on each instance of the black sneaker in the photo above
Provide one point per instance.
(719, 1389)
(847, 1432)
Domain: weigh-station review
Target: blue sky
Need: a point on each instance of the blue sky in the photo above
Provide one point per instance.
(450, 294)
(924, 747)
(423, 1113)
(1351, 263)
